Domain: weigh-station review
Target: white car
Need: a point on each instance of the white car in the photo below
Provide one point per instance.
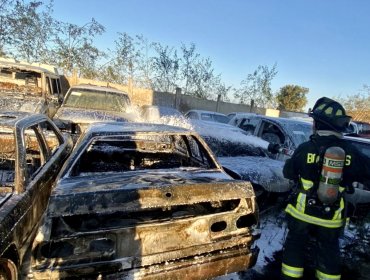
(289, 133)
(207, 116)
(245, 157)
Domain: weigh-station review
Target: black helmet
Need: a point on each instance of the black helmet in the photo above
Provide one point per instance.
(331, 114)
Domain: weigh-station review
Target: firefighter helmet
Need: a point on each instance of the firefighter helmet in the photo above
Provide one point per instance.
(330, 113)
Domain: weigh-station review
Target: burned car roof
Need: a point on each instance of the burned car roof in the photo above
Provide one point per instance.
(36, 67)
(158, 190)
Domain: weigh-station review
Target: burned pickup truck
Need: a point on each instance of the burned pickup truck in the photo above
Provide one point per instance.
(32, 151)
(145, 201)
(85, 104)
(34, 88)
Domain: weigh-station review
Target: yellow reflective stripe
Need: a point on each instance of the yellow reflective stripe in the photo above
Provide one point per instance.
(338, 213)
(323, 276)
(291, 271)
(301, 202)
(313, 220)
(306, 184)
(341, 189)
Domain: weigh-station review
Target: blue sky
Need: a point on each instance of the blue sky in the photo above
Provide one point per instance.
(319, 44)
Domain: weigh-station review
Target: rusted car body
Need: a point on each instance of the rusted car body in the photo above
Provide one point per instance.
(145, 201)
(32, 151)
(27, 87)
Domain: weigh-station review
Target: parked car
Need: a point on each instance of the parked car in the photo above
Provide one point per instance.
(360, 200)
(289, 133)
(163, 115)
(86, 104)
(245, 157)
(363, 129)
(27, 87)
(352, 128)
(233, 114)
(207, 116)
(32, 151)
(145, 201)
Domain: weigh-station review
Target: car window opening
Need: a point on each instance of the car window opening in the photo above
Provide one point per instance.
(7, 162)
(140, 153)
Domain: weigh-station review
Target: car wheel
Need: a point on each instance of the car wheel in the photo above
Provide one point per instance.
(8, 270)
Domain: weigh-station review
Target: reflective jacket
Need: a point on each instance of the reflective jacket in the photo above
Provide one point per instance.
(304, 167)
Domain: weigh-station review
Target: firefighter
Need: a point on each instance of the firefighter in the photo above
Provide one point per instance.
(324, 168)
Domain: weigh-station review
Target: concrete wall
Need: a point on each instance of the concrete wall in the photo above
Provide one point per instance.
(183, 103)
(186, 102)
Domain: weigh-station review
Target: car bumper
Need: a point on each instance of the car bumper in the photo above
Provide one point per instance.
(205, 266)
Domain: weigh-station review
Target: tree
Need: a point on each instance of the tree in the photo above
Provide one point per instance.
(144, 48)
(124, 66)
(25, 29)
(6, 39)
(188, 59)
(223, 90)
(292, 98)
(197, 74)
(165, 67)
(74, 48)
(201, 81)
(257, 87)
(358, 105)
(32, 28)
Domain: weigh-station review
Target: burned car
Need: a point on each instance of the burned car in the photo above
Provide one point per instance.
(27, 87)
(32, 151)
(145, 201)
(245, 157)
(85, 104)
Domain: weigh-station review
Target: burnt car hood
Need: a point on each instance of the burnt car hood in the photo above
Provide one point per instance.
(77, 115)
(263, 171)
(21, 102)
(129, 192)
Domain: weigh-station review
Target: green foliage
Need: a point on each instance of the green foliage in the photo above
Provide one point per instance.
(189, 59)
(6, 39)
(292, 98)
(165, 65)
(257, 87)
(74, 48)
(124, 65)
(202, 79)
(26, 29)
